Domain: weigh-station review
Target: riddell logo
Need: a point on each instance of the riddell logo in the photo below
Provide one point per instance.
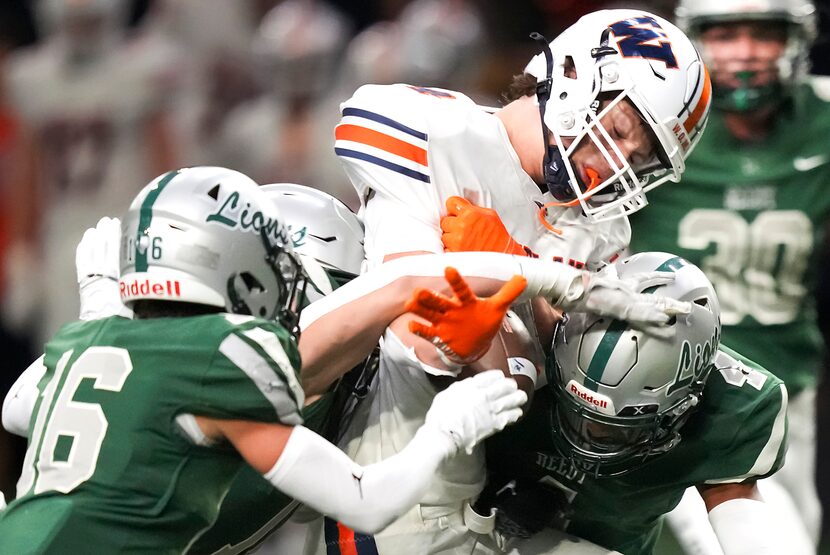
(146, 288)
(601, 402)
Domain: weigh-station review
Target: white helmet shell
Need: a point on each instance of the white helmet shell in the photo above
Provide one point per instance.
(619, 55)
(209, 235)
(623, 394)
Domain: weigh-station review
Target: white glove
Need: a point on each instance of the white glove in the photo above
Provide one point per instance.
(96, 263)
(475, 408)
(2, 501)
(605, 294)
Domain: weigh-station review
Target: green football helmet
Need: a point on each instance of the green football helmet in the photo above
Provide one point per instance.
(621, 394)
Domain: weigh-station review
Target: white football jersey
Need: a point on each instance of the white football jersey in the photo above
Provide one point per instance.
(407, 149)
(383, 423)
(387, 419)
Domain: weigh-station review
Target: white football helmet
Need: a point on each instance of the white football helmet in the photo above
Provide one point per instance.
(324, 232)
(298, 46)
(617, 55)
(622, 395)
(799, 16)
(210, 236)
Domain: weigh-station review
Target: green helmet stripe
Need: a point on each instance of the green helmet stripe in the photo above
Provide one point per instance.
(612, 335)
(603, 353)
(145, 218)
(671, 265)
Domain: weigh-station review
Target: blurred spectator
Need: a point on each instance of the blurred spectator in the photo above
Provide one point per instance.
(434, 43)
(15, 351)
(286, 134)
(219, 73)
(92, 108)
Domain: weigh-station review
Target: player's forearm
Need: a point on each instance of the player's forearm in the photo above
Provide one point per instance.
(341, 329)
(20, 401)
(315, 472)
(485, 272)
(746, 527)
(342, 337)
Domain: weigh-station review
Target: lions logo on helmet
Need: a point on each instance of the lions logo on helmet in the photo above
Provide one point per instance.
(210, 236)
(622, 395)
(605, 58)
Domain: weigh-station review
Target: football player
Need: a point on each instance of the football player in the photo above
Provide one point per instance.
(616, 119)
(142, 424)
(751, 212)
(586, 141)
(627, 422)
(334, 226)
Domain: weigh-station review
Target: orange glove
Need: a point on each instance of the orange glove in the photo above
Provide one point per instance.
(463, 326)
(468, 227)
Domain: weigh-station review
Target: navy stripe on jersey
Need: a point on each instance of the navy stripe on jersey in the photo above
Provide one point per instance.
(357, 112)
(332, 537)
(349, 153)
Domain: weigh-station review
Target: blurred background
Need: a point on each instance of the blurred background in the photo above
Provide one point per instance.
(97, 97)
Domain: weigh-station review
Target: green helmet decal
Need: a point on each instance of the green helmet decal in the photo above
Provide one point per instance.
(616, 329)
(603, 354)
(142, 240)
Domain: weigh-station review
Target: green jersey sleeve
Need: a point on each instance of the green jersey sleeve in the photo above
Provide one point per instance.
(253, 375)
(747, 410)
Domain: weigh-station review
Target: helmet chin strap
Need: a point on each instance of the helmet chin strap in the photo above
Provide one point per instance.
(557, 181)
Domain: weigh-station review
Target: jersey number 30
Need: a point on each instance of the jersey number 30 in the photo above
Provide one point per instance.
(68, 434)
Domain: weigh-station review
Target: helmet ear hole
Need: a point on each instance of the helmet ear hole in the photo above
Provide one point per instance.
(570, 68)
(251, 282)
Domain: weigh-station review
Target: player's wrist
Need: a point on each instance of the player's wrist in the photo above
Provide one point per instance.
(431, 438)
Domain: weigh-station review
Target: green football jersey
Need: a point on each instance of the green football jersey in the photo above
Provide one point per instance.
(253, 509)
(115, 462)
(751, 216)
(738, 432)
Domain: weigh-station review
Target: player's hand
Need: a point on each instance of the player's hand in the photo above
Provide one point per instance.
(97, 253)
(462, 326)
(96, 264)
(473, 409)
(608, 295)
(468, 227)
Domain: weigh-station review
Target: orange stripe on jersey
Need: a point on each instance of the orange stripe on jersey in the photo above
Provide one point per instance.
(700, 109)
(346, 540)
(357, 134)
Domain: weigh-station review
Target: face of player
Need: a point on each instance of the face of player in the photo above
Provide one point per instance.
(744, 53)
(631, 135)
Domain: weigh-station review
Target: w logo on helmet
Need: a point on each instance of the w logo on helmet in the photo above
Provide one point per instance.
(643, 37)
